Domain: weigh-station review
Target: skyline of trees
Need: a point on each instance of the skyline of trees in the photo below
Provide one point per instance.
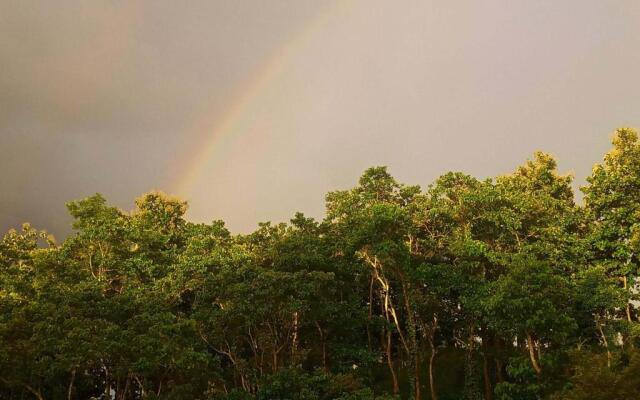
(499, 288)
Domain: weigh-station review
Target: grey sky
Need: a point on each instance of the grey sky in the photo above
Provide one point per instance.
(117, 97)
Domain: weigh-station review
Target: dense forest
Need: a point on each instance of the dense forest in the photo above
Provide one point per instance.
(500, 288)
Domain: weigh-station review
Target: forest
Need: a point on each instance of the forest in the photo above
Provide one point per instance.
(505, 288)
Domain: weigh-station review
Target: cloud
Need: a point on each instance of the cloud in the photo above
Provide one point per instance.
(104, 97)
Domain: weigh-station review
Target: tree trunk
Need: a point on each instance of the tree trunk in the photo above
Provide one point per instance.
(412, 352)
(418, 394)
(294, 340)
(394, 377)
(386, 295)
(628, 307)
(488, 390)
(107, 390)
(122, 394)
(141, 386)
(370, 317)
(432, 356)
(605, 342)
(323, 345)
(532, 354)
(275, 359)
(70, 389)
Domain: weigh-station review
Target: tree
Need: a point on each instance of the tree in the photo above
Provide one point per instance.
(475, 289)
(611, 199)
(532, 303)
(374, 223)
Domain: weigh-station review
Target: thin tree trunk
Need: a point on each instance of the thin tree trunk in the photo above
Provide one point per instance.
(488, 390)
(432, 356)
(323, 344)
(418, 394)
(275, 360)
(394, 377)
(370, 313)
(628, 307)
(605, 342)
(122, 395)
(142, 391)
(532, 355)
(257, 361)
(412, 353)
(70, 389)
(294, 339)
(107, 390)
(388, 302)
(324, 356)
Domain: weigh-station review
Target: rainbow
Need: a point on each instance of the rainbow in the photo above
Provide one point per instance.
(238, 111)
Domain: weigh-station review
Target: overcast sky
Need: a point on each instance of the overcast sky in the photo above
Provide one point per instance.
(120, 97)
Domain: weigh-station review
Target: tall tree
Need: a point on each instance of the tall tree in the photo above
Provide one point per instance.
(611, 198)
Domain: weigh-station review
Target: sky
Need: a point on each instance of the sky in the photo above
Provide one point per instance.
(253, 110)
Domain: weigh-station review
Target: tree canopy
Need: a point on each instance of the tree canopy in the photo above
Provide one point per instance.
(501, 288)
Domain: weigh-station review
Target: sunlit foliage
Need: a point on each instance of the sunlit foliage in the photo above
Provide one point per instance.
(501, 288)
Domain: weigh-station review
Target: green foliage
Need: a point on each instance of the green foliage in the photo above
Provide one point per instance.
(530, 299)
(593, 380)
(611, 199)
(478, 289)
